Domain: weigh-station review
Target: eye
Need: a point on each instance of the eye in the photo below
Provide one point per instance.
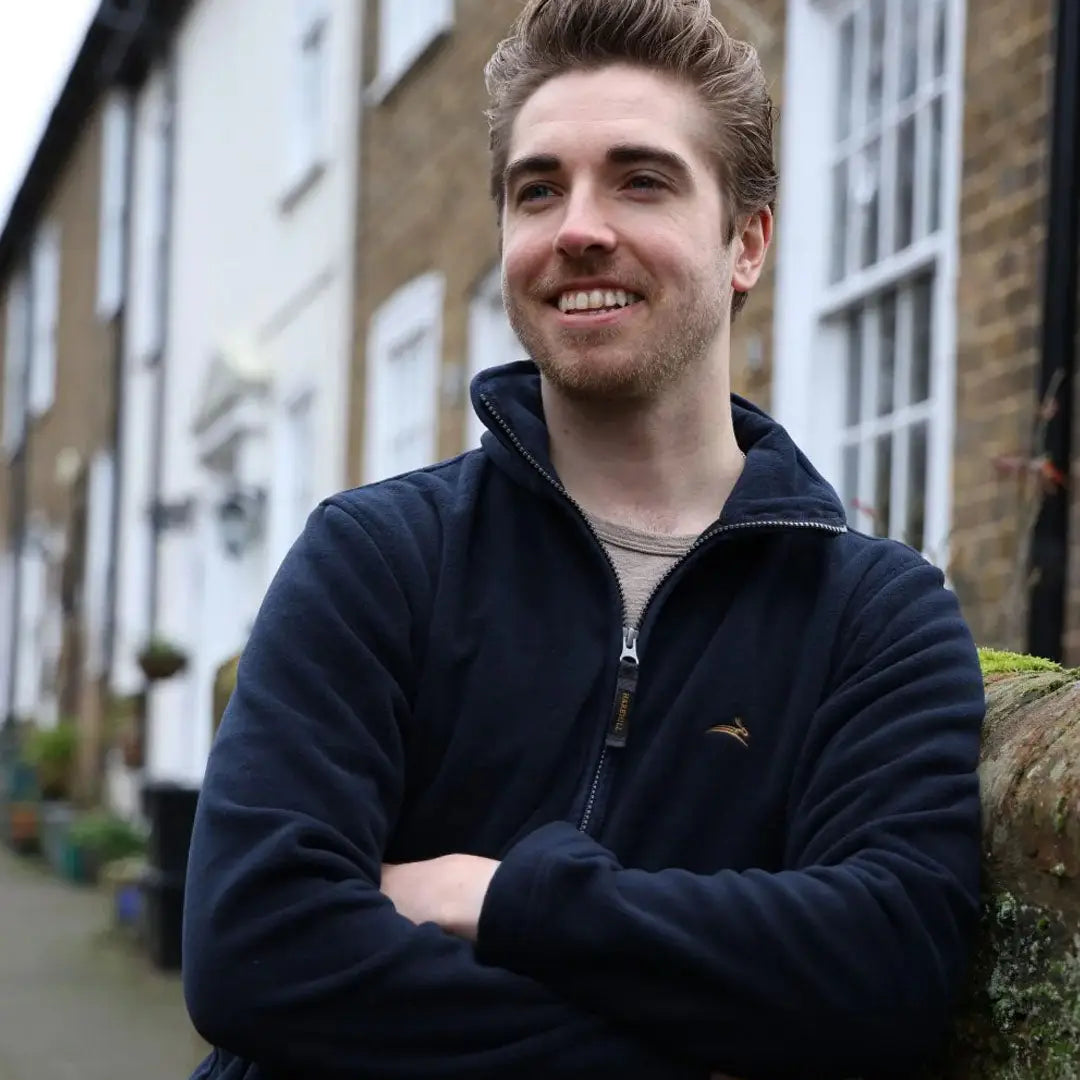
(644, 182)
(535, 192)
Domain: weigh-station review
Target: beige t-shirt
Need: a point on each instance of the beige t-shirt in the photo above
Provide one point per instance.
(641, 560)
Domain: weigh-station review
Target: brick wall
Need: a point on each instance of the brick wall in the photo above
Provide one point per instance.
(762, 24)
(1009, 62)
(423, 200)
(82, 415)
(424, 195)
(79, 423)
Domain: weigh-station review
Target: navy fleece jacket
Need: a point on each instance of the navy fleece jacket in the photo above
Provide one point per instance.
(751, 848)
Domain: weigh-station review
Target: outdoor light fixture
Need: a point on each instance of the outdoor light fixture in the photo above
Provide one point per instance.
(241, 515)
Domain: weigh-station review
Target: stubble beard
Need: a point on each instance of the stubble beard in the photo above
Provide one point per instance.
(586, 366)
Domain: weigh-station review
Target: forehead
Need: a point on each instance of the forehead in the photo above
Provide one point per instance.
(577, 116)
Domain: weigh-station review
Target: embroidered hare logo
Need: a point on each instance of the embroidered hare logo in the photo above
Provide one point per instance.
(737, 730)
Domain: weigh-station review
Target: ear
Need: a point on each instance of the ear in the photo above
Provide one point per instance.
(750, 248)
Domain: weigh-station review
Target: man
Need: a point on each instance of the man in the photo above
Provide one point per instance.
(607, 749)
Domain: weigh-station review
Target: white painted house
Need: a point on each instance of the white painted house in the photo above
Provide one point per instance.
(240, 337)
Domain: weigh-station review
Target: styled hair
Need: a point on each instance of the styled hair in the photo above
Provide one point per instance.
(679, 38)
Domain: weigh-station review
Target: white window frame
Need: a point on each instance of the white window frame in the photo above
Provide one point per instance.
(492, 342)
(407, 29)
(309, 64)
(150, 225)
(101, 479)
(45, 318)
(809, 377)
(411, 319)
(16, 357)
(115, 139)
(300, 424)
(33, 570)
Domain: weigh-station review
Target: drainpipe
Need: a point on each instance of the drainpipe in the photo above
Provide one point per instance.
(1050, 542)
(120, 337)
(20, 469)
(158, 515)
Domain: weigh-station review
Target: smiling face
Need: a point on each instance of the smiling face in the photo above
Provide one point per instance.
(616, 274)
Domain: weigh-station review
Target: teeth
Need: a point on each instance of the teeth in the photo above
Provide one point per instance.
(596, 299)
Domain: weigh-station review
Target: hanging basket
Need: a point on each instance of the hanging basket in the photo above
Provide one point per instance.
(160, 664)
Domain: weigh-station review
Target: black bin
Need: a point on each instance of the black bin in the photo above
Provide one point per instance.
(169, 809)
(162, 918)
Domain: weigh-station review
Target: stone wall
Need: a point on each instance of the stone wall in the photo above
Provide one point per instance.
(1021, 1016)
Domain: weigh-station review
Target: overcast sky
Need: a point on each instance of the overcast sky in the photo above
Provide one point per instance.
(38, 41)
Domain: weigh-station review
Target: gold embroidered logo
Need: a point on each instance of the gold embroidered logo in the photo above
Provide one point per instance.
(737, 731)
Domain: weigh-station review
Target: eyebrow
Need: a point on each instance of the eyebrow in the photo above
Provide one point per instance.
(621, 154)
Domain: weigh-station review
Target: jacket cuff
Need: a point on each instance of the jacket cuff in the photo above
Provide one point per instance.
(513, 930)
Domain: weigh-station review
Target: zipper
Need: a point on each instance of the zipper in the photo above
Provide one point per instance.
(618, 726)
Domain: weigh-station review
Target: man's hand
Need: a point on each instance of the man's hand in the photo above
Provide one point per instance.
(448, 891)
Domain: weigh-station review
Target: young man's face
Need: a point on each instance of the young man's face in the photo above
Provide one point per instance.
(611, 200)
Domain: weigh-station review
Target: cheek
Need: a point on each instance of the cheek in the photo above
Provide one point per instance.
(523, 259)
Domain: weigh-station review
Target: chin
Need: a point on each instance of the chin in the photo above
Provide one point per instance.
(600, 375)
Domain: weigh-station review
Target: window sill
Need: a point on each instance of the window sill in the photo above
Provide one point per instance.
(387, 80)
(301, 185)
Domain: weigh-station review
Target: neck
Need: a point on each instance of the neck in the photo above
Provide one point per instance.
(664, 465)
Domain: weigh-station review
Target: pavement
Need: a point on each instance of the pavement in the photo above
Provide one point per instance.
(79, 1000)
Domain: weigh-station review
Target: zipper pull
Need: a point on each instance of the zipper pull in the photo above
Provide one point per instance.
(626, 685)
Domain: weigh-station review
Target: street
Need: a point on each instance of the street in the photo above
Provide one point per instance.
(77, 1000)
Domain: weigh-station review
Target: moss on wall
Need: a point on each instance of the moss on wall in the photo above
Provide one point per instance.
(1021, 1018)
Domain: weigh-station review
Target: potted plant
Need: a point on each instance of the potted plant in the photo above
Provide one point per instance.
(97, 839)
(21, 800)
(52, 753)
(161, 659)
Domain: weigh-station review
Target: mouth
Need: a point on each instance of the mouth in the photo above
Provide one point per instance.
(586, 303)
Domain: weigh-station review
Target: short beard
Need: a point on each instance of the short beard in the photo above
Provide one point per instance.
(660, 365)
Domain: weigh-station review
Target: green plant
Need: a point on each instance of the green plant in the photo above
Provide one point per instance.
(52, 753)
(106, 837)
(161, 659)
(224, 685)
(159, 646)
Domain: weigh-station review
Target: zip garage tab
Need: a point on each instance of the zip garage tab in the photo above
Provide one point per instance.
(625, 688)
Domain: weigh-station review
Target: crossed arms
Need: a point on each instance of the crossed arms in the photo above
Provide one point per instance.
(296, 957)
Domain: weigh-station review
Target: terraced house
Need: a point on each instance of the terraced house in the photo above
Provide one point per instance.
(907, 330)
(254, 259)
(62, 293)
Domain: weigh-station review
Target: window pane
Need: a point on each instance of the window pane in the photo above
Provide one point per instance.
(838, 260)
(847, 69)
(937, 117)
(875, 85)
(922, 317)
(867, 193)
(886, 354)
(882, 484)
(850, 480)
(915, 526)
(854, 369)
(909, 49)
(940, 35)
(905, 185)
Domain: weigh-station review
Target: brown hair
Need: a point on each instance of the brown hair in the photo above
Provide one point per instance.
(681, 38)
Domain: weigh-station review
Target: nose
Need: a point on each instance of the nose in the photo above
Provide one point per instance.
(584, 228)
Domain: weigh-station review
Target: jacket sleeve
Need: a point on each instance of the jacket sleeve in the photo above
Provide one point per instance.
(847, 961)
(292, 958)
